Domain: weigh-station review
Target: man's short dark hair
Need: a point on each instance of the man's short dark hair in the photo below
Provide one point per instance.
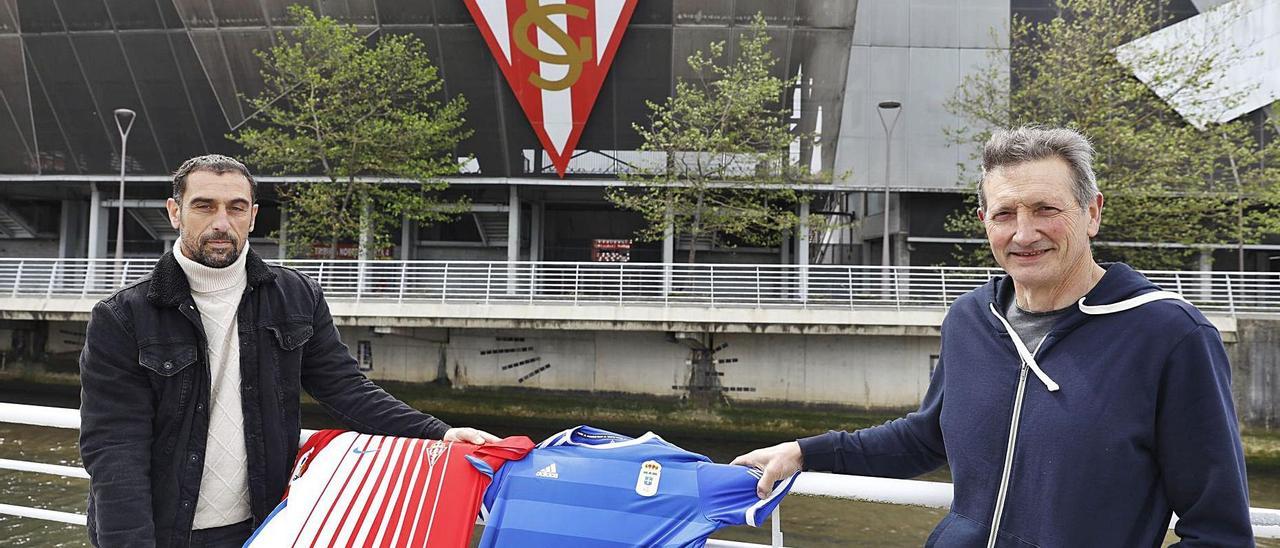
(213, 163)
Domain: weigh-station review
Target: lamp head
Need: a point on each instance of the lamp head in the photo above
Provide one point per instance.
(889, 104)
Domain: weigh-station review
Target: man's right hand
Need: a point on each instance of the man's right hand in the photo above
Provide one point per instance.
(775, 462)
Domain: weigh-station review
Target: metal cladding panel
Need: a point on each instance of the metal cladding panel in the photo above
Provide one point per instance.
(1245, 32)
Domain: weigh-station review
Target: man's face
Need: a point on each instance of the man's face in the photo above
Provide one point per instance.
(1038, 232)
(214, 218)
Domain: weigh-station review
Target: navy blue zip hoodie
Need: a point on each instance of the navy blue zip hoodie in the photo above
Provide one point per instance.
(1131, 420)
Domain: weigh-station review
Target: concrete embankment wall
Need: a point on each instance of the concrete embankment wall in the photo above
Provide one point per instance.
(1255, 360)
(858, 370)
(861, 370)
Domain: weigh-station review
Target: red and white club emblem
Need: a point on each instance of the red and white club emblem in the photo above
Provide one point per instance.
(555, 55)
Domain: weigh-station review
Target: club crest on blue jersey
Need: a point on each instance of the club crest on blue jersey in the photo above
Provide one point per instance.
(647, 481)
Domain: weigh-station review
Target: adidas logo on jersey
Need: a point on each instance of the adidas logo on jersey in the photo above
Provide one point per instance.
(548, 472)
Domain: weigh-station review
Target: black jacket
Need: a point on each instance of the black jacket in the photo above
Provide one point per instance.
(144, 406)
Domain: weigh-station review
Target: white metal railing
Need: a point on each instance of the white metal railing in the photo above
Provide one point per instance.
(676, 284)
(1266, 521)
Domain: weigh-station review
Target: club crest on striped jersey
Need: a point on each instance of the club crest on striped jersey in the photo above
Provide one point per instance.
(555, 55)
(647, 481)
(434, 451)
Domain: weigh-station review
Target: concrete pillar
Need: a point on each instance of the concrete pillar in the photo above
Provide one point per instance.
(513, 238)
(1206, 280)
(669, 239)
(802, 250)
(407, 239)
(366, 231)
(513, 224)
(97, 247)
(282, 249)
(537, 212)
(69, 231)
(668, 251)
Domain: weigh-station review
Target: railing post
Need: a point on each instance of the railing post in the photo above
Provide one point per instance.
(404, 280)
(1231, 295)
(668, 273)
(88, 278)
(849, 275)
(533, 279)
(759, 287)
(488, 282)
(53, 275)
(777, 527)
(577, 278)
(444, 283)
(620, 282)
(712, 277)
(897, 292)
(17, 278)
(942, 273)
(804, 284)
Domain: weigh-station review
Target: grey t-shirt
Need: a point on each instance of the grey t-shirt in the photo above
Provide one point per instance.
(1031, 327)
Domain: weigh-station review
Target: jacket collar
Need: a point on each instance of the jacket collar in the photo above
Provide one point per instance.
(169, 285)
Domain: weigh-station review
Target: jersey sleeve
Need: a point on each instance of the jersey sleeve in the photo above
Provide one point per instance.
(728, 494)
(488, 460)
(489, 457)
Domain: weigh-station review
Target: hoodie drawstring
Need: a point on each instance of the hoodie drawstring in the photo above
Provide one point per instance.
(1025, 354)
(1130, 303)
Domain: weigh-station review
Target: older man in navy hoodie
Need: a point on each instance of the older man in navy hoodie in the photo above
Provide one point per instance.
(1077, 404)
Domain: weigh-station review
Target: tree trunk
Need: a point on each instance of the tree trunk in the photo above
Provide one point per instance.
(695, 231)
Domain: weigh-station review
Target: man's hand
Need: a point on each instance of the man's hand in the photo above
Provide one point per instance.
(469, 435)
(775, 462)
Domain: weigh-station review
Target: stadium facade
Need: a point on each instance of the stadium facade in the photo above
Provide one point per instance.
(186, 66)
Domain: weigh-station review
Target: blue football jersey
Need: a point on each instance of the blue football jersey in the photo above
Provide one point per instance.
(586, 488)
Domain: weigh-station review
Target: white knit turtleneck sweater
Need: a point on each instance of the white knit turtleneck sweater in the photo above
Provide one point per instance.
(224, 486)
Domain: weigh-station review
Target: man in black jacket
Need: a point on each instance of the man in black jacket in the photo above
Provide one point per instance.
(191, 377)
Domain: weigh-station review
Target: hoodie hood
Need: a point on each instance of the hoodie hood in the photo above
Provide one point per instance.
(1120, 289)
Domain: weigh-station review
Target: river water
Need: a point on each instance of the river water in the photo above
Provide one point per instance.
(807, 521)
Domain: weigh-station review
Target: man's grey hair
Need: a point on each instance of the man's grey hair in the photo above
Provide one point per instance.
(216, 164)
(1010, 147)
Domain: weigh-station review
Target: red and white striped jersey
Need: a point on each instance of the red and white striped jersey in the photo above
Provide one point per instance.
(360, 490)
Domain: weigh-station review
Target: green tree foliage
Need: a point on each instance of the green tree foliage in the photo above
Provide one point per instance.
(1163, 179)
(357, 114)
(725, 142)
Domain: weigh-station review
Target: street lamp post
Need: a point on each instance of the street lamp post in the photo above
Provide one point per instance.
(124, 127)
(896, 107)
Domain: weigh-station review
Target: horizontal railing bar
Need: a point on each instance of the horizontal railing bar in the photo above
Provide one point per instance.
(47, 515)
(42, 468)
(842, 287)
(927, 494)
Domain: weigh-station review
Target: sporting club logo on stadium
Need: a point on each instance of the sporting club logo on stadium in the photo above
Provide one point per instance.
(555, 55)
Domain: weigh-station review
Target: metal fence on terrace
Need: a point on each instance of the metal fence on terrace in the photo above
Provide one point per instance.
(714, 285)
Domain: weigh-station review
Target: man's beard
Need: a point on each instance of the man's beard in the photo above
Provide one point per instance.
(214, 258)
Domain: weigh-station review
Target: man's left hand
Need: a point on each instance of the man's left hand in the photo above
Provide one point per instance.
(469, 435)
